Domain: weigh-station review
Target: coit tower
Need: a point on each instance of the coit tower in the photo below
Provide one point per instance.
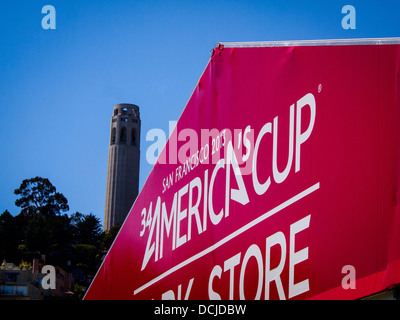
(123, 164)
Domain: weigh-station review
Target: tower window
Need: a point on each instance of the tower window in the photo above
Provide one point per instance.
(122, 137)
(133, 137)
(113, 134)
(115, 112)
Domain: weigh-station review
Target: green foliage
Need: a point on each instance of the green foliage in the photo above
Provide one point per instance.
(39, 196)
(87, 228)
(86, 257)
(109, 237)
(41, 228)
(78, 290)
(10, 236)
(24, 265)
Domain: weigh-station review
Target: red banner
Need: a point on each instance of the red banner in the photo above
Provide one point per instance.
(280, 181)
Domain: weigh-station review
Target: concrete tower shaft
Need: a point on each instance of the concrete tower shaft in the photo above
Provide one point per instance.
(122, 185)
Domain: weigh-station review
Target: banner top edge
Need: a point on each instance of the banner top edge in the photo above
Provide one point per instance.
(325, 42)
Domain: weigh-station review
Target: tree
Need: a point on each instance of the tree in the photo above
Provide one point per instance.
(39, 196)
(86, 257)
(60, 230)
(37, 235)
(87, 229)
(44, 229)
(69, 241)
(10, 236)
(109, 237)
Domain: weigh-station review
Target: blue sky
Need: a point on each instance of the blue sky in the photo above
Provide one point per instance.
(58, 87)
